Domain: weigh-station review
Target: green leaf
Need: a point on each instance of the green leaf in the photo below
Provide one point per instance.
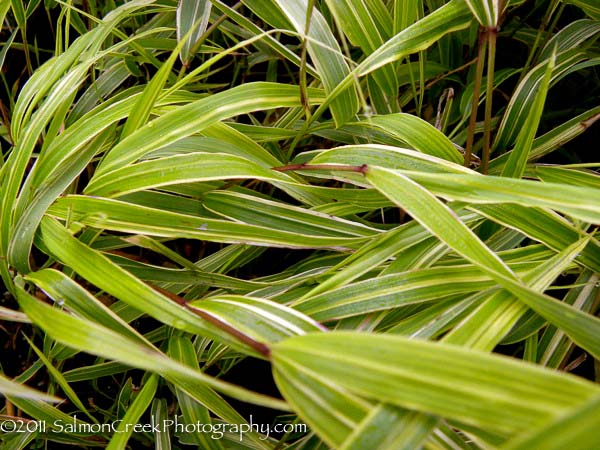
(18, 9)
(419, 36)
(12, 388)
(590, 7)
(415, 199)
(573, 177)
(130, 218)
(554, 138)
(373, 254)
(20, 245)
(5, 5)
(261, 319)
(521, 102)
(99, 270)
(60, 380)
(368, 31)
(74, 297)
(487, 12)
(515, 166)
(416, 133)
(579, 202)
(442, 222)
(392, 291)
(543, 226)
(192, 17)
(500, 311)
(50, 81)
(509, 396)
(576, 430)
(144, 104)
(181, 349)
(575, 34)
(405, 430)
(277, 215)
(331, 410)
(323, 48)
(141, 403)
(90, 337)
(159, 412)
(554, 346)
(195, 116)
(384, 156)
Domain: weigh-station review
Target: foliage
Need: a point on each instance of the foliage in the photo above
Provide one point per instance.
(188, 187)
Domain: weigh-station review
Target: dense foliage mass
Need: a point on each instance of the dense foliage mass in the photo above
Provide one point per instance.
(390, 204)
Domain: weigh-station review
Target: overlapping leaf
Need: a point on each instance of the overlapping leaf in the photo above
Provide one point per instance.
(508, 397)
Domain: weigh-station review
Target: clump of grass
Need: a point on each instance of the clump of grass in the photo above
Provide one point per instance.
(391, 205)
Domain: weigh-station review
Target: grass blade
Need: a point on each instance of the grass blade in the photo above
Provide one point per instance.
(93, 338)
(576, 430)
(510, 396)
(192, 16)
(438, 218)
(12, 388)
(141, 403)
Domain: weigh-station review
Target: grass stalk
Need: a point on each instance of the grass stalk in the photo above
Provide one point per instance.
(303, 54)
(487, 129)
(482, 43)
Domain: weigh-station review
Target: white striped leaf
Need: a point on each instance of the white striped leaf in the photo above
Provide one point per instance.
(192, 18)
(442, 222)
(487, 12)
(510, 396)
(323, 48)
(93, 338)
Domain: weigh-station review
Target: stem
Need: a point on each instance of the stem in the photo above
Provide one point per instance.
(249, 341)
(589, 122)
(413, 84)
(441, 118)
(447, 74)
(303, 84)
(492, 33)
(6, 121)
(421, 14)
(26, 51)
(476, 89)
(10, 408)
(421, 83)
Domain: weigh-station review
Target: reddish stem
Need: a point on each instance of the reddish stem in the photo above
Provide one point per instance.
(258, 346)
